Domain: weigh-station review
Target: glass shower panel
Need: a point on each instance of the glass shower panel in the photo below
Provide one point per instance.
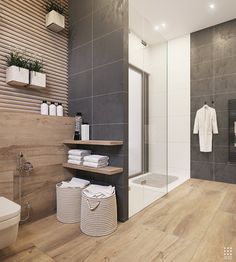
(135, 123)
(148, 53)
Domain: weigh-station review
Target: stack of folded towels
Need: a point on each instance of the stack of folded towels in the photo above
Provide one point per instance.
(75, 182)
(97, 191)
(76, 156)
(96, 161)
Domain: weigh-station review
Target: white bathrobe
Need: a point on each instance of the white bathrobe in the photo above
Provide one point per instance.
(205, 124)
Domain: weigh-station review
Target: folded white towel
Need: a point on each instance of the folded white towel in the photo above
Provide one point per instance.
(96, 158)
(75, 162)
(92, 164)
(78, 158)
(79, 152)
(75, 182)
(98, 191)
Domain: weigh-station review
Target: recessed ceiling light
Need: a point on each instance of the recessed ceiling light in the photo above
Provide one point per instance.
(212, 6)
(163, 25)
(156, 28)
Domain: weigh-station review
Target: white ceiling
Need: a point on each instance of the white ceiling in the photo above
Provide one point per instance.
(181, 17)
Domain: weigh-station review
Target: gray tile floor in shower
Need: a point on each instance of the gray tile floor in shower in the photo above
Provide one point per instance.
(155, 180)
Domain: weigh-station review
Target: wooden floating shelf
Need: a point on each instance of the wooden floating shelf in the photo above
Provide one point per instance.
(94, 142)
(108, 170)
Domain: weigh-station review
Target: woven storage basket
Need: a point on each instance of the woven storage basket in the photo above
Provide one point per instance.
(98, 215)
(68, 204)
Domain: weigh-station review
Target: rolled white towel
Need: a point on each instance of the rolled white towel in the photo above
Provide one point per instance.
(75, 182)
(75, 162)
(98, 191)
(96, 165)
(79, 152)
(96, 158)
(78, 158)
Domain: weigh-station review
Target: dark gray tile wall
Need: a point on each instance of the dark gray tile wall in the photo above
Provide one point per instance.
(213, 78)
(98, 81)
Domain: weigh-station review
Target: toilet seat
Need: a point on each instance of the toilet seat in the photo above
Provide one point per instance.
(8, 209)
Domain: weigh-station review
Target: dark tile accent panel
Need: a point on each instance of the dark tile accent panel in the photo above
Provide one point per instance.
(80, 59)
(225, 173)
(108, 79)
(225, 66)
(108, 48)
(203, 37)
(79, 9)
(201, 54)
(222, 138)
(202, 87)
(110, 132)
(109, 109)
(80, 32)
(202, 70)
(82, 105)
(202, 170)
(107, 20)
(225, 31)
(218, 66)
(223, 49)
(221, 101)
(80, 85)
(121, 193)
(198, 101)
(225, 84)
(98, 82)
(221, 154)
(196, 155)
(222, 119)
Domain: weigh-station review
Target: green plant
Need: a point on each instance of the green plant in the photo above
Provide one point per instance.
(56, 6)
(36, 66)
(15, 58)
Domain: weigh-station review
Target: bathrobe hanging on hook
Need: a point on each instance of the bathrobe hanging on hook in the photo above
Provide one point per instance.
(205, 125)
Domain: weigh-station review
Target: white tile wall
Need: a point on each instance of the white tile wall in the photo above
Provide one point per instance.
(179, 107)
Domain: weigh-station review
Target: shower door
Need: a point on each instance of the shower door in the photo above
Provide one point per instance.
(148, 112)
(138, 133)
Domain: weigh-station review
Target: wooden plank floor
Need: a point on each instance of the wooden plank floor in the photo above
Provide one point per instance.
(192, 223)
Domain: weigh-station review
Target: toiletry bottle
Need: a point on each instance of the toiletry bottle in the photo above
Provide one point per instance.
(52, 109)
(59, 109)
(44, 108)
(78, 124)
(85, 131)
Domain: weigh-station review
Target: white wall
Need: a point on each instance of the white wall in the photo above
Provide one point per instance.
(179, 107)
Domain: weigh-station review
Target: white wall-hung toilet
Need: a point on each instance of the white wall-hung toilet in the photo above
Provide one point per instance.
(9, 222)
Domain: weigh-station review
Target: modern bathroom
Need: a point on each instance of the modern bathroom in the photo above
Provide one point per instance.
(118, 130)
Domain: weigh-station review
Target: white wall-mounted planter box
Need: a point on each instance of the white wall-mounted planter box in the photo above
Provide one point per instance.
(55, 21)
(17, 76)
(37, 80)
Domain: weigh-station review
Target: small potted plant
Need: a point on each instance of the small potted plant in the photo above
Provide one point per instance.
(37, 76)
(17, 71)
(55, 19)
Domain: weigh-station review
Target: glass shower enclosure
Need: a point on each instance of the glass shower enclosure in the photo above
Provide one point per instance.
(148, 112)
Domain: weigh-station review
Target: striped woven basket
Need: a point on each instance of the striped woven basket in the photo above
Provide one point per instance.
(68, 204)
(98, 215)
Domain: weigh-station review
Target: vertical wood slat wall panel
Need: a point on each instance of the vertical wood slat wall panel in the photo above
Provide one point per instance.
(22, 25)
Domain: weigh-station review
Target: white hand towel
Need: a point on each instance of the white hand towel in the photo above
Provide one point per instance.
(75, 162)
(75, 182)
(96, 165)
(78, 158)
(79, 152)
(96, 158)
(98, 191)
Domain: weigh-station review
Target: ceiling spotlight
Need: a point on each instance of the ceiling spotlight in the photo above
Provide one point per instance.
(163, 25)
(212, 6)
(156, 28)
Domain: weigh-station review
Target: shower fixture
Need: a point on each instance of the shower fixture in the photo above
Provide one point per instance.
(23, 166)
